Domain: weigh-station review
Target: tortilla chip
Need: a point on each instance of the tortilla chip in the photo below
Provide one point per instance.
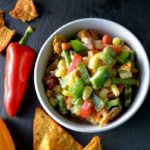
(6, 35)
(94, 144)
(45, 143)
(48, 135)
(1, 18)
(24, 10)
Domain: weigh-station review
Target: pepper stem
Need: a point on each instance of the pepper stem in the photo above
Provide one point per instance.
(26, 35)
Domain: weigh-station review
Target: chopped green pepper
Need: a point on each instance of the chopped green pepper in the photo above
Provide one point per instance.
(128, 94)
(100, 77)
(125, 53)
(84, 73)
(112, 103)
(125, 81)
(77, 88)
(67, 57)
(99, 103)
(107, 55)
(78, 46)
(61, 104)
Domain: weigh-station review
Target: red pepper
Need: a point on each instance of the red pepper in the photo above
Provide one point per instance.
(74, 62)
(19, 63)
(106, 39)
(85, 109)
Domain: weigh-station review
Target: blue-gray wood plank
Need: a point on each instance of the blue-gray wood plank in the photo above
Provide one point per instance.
(133, 14)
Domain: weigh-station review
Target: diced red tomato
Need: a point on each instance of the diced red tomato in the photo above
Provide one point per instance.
(74, 62)
(85, 109)
(106, 39)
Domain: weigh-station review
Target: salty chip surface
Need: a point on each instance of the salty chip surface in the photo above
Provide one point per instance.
(94, 144)
(24, 10)
(48, 135)
(6, 34)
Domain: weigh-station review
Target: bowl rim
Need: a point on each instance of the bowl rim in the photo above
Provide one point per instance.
(127, 115)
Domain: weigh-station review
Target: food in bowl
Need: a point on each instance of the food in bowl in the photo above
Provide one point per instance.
(91, 77)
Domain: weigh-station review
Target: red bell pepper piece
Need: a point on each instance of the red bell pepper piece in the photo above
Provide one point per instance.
(19, 63)
(106, 39)
(85, 109)
(74, 62)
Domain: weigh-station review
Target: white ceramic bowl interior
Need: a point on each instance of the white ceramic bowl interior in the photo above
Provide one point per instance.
(104, 26)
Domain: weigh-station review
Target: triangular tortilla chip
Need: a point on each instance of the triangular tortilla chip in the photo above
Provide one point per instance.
(45, 143)
(6, 35)
(94, 144)
(1, 18)
(48, 135)
(24, 10)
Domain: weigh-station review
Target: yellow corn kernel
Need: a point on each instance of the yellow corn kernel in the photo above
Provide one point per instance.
(66, 46)
(60, 72)
(66, 93)
(87, 92)
(71, 76)
(71, 80)
(116, 41)
(57, 48)
(115, 90)
(94, 62)
(61, 63)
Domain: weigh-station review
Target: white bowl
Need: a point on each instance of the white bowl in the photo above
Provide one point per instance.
(104, 26)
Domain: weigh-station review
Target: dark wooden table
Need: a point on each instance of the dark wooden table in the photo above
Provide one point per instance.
(133, 14)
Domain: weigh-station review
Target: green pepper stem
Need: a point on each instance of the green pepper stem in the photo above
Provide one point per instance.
(26, 35)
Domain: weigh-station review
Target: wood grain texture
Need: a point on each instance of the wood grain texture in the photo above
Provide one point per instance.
(133, 14)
